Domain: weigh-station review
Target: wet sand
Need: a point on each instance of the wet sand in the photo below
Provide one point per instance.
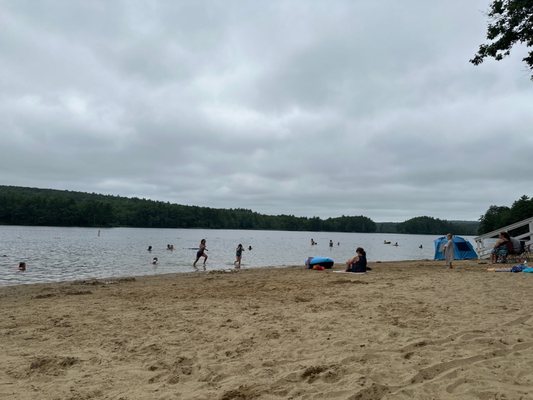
(406, 330)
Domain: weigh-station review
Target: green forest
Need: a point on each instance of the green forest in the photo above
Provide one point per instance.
(49, 207)
(500, 216)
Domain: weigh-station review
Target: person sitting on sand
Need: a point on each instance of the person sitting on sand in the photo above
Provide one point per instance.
(201, 253)
(502, 247)
(358, 262)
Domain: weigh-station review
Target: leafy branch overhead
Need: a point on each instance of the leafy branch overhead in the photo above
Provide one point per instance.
(511, 22)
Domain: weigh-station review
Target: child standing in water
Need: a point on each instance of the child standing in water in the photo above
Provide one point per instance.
(238, 255)
(201, 253)
(448, 251)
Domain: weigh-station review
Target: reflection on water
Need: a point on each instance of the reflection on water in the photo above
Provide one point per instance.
(61, 254)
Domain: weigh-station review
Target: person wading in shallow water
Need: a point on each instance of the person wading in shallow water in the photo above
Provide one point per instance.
(238, 256)
(201, 253)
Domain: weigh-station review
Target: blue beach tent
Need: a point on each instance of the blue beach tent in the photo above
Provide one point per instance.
(463, 249)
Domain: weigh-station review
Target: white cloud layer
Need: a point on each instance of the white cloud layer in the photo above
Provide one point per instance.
(300, 107)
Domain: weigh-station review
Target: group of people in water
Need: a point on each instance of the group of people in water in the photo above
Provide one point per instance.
(357, 263)
(389, 242)
(201, 253)
(202, 248)
(314, 243)
(155, 260)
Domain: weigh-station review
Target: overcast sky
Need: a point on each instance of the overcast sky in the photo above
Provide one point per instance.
(311, 108)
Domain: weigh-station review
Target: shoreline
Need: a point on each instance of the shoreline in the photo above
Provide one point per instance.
(228, 269)
(405, 330)
(120, 278)
(61, 255)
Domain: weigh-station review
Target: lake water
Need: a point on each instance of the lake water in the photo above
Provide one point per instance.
(55, 254)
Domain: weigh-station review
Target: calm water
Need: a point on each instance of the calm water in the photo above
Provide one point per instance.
(61, 254)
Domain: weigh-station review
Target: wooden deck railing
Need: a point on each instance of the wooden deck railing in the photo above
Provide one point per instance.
(483, 251)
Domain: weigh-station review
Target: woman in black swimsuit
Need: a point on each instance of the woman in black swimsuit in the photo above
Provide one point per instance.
(357, 263)
(201, 253)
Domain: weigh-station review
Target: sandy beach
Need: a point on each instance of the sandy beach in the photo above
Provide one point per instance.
(406, 330)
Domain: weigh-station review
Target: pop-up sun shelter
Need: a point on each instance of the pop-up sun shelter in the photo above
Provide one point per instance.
(463, 249)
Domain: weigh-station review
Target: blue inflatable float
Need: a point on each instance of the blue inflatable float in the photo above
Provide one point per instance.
(325, 262)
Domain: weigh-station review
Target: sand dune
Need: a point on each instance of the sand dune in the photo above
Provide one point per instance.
(409, 330)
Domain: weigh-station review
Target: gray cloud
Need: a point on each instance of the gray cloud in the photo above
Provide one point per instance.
(298, 107)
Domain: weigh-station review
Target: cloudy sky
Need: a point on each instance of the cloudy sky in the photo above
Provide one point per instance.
(311, 108)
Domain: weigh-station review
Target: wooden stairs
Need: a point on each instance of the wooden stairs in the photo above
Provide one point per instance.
(484, 243)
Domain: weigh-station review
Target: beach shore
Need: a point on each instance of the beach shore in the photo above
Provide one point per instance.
(406, 330)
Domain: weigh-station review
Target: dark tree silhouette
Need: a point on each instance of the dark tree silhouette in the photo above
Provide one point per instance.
(32, 206)
(511, 22)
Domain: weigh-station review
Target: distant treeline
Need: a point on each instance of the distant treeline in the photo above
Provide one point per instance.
(429, 226)
(48, 207)
(497, 217)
